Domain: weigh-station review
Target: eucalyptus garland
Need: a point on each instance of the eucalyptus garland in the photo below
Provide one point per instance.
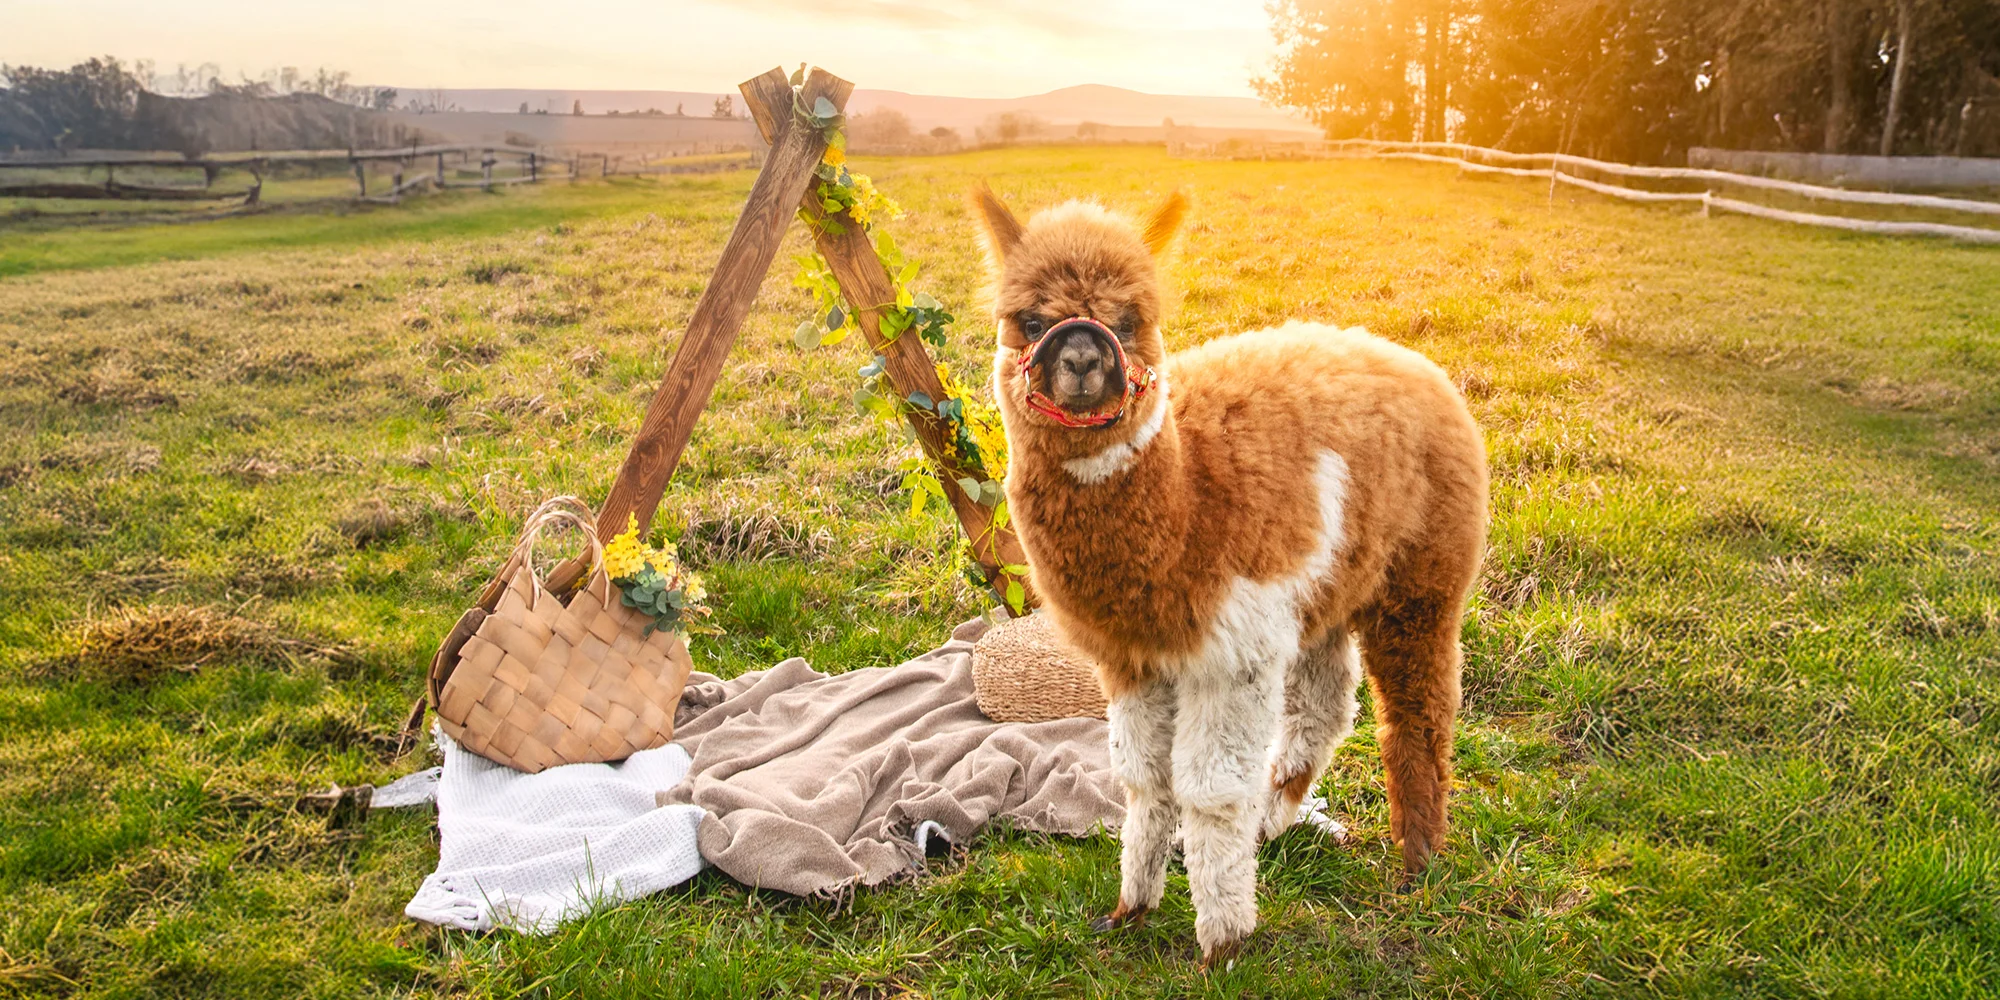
(975, 435)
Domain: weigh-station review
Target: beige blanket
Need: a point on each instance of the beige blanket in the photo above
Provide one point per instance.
(813, 783)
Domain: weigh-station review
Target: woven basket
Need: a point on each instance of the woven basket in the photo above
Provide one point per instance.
(1022, 672)
(529, 682)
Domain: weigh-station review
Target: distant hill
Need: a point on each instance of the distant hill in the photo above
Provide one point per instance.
(1068, 107)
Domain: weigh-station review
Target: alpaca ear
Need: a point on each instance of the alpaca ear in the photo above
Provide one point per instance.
(1001, 229)
(1164, 223)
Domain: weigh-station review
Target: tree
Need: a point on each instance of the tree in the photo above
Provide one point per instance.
(725, 107)
(577, 108)
(1014, 126)
(524, 107)
(1643, 80)
(384, 98)
(91, 105)
(883, 129)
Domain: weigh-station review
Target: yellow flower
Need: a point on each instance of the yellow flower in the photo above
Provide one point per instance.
(835, 156)
(625, 557)
(697, 592)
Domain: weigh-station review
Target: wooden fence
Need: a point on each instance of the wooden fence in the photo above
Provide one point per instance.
(414, 169)
(1561, 168)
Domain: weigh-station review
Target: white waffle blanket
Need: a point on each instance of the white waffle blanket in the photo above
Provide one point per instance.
(528, 851)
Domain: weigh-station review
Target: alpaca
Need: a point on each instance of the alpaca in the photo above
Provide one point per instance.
(1232, 533)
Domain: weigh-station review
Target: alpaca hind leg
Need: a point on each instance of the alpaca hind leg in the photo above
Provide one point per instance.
(1411, 653)
(1227, 722)
(1142, 743)
(1319, 714)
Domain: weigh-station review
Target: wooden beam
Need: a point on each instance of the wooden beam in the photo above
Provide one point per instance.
(863, 279)
(697, 364)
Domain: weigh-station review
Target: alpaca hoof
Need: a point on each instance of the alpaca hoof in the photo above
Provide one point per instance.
(1133, 917)
(1222, 955)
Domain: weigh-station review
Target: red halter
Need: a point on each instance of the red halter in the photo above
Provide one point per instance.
(1138, 379)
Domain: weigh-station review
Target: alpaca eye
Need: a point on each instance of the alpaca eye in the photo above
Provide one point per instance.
(1033, 326)
(1127, 326)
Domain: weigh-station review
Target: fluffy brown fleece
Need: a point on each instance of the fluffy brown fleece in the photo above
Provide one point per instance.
(1146, 536)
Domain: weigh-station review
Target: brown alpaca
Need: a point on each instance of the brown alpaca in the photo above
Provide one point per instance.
(1219, 529)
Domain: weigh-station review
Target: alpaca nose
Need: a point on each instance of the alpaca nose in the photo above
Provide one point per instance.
(1082, 362)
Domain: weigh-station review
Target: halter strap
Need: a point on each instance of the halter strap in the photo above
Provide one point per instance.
(1139, 379)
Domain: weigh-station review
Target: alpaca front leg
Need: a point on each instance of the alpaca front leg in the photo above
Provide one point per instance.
(1227, 722)
(1142, 743)
(1319, 714)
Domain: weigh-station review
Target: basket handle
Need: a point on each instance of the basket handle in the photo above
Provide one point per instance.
(571, 510)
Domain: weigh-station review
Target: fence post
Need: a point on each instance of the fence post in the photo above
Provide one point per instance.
(396, 184)
(440, 172)
(486, 170)
(361, 177)
(533, 174)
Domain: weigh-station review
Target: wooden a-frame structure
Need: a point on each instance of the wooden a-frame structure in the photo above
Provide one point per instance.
(783, 188)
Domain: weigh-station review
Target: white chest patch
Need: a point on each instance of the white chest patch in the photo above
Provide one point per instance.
(1257, 625)
(1093, 469)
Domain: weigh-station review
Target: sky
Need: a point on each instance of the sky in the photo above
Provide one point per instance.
(960, 48)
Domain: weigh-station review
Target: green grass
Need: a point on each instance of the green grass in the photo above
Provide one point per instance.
(36, 244)
(1732, 722)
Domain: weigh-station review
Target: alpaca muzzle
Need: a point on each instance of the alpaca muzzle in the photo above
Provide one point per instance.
(1100, 357)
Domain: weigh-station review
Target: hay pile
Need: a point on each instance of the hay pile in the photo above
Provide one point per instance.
(136, 645)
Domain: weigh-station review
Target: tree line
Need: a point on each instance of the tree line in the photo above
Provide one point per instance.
(105, 103)
(1645, 80)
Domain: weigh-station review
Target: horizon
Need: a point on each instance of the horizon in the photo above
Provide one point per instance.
(960, 48)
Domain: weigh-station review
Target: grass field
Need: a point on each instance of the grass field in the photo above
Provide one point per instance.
(1732, 721)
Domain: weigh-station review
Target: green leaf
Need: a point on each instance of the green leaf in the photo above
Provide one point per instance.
(924, 301)
(908, 274)
(823, 108)
(1014, 569)
(835, 336)
(1016, 596)
(862, 398)
(991, 493)
(835, 318)
(875, 367)
(799, 75)
(806, 337)
(922, 400)
(970, 486)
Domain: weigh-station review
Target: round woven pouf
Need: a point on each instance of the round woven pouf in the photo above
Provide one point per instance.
(1021, 672)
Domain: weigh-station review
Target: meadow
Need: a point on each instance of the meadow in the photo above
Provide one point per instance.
(1732, 697)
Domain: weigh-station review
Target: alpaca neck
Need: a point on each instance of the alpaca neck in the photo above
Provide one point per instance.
(1115, 506)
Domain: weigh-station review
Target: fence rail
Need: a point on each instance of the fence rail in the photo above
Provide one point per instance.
(1564, 168)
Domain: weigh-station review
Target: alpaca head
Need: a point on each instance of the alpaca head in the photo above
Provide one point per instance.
(1075, 261)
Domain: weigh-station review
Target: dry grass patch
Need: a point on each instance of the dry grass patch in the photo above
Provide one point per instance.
(138, 645)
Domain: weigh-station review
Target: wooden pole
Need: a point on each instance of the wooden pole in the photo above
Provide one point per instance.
(711, 330)
(486, 170)
(440, 172)
(863, 279)
(533, 175)
(361, 177)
